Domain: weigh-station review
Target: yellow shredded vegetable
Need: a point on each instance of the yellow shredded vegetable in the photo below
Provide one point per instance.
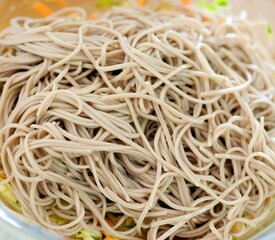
(237, 227)
(58, 220)
(108, 3)
(89, 234)
(7, 195)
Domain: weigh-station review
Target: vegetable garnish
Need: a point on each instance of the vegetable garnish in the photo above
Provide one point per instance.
(142, 2)
(108, 3)
(89, 234)
(186, 2)
(205, 19)
(164, 6)
(58, 220)
(3, 176)
(206, 5)
(222, 3)
(213, 5)
(7, 195)
(269, 30)
(93, 16)
(237, 227)
(41, 8)
(248, 216)
(109, 237)
(62, 3)
(110, 223)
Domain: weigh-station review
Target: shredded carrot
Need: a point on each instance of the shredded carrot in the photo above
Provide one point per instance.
(108, 236)
(41, 8)
(3, 176)
(109, 222)
(186, 2)
(205, 19)
(142, 2)
(93, 16)
(62, 3)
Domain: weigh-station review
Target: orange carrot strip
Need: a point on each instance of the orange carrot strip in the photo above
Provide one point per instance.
(3, 175)
(41, 8)
(186, 2)
(109, 222)
(108, 236)
(142, 2)
(93, 16)
(205, 19)
(62, 3)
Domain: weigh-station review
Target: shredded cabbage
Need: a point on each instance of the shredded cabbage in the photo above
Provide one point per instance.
(89, 234)
(7, 195)
(269, 30)
(58, 220)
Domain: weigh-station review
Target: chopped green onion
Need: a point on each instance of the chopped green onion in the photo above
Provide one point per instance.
(108, 3)
(269, 30)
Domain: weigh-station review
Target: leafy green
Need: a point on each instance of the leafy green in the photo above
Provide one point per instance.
(214, 5)
(7, 195)
(89, 234)
(58, 220)
(269, 30)
(222, 3)
(206, 5)
(108, 3)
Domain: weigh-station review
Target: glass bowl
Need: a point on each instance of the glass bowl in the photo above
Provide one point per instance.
(14, 226)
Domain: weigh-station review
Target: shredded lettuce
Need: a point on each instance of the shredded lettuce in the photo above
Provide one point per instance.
(108, 3)
(213, 5)
(222, 3)
(269, 30)
(8, 197)
(58, 220)
(89, 234)
(206, 5)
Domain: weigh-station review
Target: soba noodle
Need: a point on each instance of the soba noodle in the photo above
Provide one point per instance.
(163, 117)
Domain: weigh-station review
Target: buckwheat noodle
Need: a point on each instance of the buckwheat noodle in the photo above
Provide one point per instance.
(162, 116)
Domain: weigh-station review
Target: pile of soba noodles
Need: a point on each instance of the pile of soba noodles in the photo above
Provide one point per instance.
(164, 119)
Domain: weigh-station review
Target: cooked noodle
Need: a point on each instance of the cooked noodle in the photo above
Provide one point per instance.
(159, 116)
